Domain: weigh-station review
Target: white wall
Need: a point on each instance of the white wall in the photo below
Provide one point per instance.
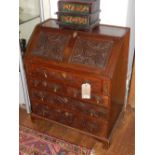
(26, 30)
(114, 12)
(47, 9)
(21, 94)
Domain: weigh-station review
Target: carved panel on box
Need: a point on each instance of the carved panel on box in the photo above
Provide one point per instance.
(51, 45)
(91, 53)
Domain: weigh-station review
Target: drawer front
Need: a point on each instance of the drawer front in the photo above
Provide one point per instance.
(96, 98)
(60, 89)
(68, 118)
(46, 85)
(74, 7)
(53, 114)
(79, 6)
(66, 78)
(69, 104)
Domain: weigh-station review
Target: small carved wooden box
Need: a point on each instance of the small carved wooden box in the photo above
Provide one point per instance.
(59, 62)
(78, 14)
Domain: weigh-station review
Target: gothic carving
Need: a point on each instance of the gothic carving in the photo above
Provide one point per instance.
(51, 45)
(91, 53)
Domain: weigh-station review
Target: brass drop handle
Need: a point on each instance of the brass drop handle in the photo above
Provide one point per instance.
(75, 34)
(75, 94)
(97, 100)
(55, 88)
(65, 100)
(64, 75)
(35, 83)
(66, 114)
(44, 111)
(45, 74)
(42, 98)
(91, 114)
(44, 83)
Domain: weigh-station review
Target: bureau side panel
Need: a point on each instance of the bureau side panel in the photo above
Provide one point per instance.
(118, 83)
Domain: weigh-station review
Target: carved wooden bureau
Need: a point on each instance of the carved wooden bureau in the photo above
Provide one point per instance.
(59, 61)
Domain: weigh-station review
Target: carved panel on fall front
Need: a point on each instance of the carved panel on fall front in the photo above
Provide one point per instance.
(51, 45)
(91, 52)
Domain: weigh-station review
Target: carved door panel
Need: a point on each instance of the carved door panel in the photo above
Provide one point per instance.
(51, 45)
(91, 52)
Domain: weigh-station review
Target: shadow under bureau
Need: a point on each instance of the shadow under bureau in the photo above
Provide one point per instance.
(58, 62)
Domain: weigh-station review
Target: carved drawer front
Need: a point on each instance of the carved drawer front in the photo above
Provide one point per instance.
(88, 110)
(58, 115)
(67, 118)
(69, 104)
(96, 98)
(46, 85)
(98, 128)
(68, 79)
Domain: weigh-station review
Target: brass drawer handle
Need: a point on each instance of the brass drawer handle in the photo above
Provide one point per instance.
(66, 114)
(75, 34)
(65, 100)
(98, 102)
(45, 75)
(97, 99)
(42, 98)
(35, 83)
(75, 94)
(64, 75)
(55, 89)
(44, 83)
(91, 114)
(44, 112)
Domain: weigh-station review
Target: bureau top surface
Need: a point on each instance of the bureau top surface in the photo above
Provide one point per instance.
(109, 30)
(96, 51)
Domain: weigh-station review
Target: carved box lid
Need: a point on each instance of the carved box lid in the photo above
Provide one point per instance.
(73, 50)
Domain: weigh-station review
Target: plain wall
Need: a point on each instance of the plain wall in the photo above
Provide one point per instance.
(26, 30)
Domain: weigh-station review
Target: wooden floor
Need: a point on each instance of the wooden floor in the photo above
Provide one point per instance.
(122, 140)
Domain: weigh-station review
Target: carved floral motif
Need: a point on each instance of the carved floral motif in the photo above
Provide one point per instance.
(51, 45)
(91, 52)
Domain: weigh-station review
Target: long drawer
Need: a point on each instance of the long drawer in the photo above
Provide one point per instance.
(61, 89)
(69, 104)
(74, 120)
(66, 78)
